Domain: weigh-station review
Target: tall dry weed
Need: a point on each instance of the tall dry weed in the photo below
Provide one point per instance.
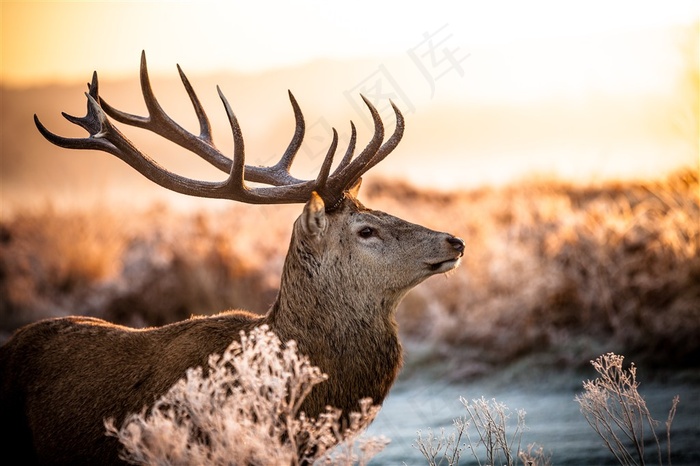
(617, 412)
(485, 432)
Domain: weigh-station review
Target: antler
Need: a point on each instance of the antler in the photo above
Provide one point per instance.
(283, 187)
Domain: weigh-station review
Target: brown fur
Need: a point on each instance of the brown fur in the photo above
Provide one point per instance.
(61, 378)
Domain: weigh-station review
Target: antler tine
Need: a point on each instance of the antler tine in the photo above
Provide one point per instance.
(325, 170)
(160, 123)
(113, 141)
(73, 143)
(279, 173)
(237, 176)
(234, 187)
(350, 170)
(236, 180)
(351, 146)
(390, 143)
(92, 122)
(105, 137)
(205, 133)
(287, 158)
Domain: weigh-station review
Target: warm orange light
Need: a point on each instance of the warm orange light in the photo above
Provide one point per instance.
(578, 90)
(59, 40)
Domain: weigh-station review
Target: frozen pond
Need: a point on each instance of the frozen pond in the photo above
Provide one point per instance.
(553, 418)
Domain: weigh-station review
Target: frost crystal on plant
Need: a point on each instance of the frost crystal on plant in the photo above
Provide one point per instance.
(246, 410)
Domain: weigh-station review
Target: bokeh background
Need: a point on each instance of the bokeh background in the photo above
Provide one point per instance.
(559, 139)
(493, 91)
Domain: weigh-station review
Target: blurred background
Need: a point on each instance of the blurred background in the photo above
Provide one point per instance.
(559, 139)
(492, 91)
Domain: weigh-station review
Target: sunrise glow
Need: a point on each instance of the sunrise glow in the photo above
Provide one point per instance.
(57, 41)
(497, 91)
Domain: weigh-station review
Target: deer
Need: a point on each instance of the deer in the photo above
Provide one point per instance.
(345, 272)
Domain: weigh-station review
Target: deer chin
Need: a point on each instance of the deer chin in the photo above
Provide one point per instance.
(444, 266)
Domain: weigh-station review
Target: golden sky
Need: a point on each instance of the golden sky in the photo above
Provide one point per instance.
(575, 89)
(58, 41)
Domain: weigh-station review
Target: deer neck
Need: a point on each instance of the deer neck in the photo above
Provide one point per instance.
(351, 333)
(304, 304)
(319, 300)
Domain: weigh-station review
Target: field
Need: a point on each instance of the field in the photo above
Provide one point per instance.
(556, 271)
(562, 147)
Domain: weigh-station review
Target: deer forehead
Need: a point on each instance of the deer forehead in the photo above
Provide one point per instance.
(373, 218)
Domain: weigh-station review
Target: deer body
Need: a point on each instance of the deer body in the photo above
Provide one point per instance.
(345, 273)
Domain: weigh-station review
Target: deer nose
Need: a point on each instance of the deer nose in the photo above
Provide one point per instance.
(457, 243)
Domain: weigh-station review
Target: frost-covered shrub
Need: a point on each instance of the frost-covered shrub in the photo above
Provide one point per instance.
(245, 409)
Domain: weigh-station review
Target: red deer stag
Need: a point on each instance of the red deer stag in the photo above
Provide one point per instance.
(345, 272)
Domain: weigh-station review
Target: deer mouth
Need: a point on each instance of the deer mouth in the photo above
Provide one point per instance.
(443, 266)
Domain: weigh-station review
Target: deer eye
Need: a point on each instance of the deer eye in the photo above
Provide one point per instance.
(366, 232)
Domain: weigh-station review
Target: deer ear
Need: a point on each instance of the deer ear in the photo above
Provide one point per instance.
(355, 188)
(314, 219)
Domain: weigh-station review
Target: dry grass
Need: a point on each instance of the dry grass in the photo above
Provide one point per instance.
(485, 432)
(137, 268)
(611, 404)
(617, 412)
(567, 270)
(50, 257)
